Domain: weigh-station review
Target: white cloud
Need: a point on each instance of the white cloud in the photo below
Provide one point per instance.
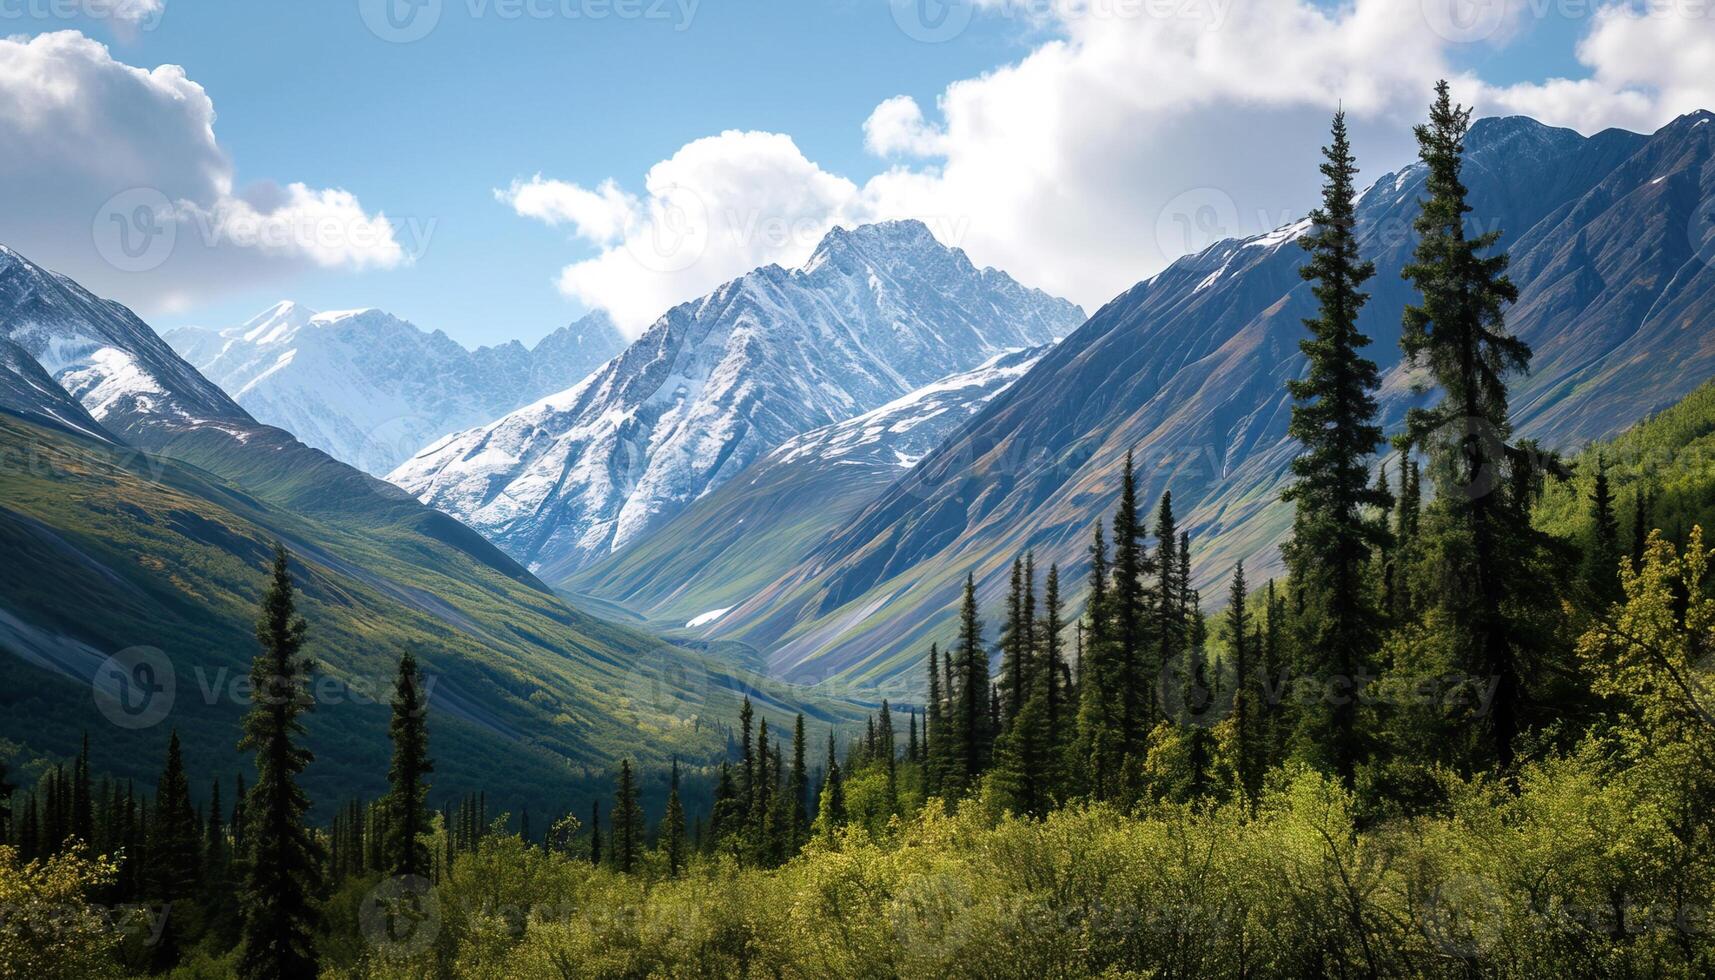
(1648, 63)
(156, 216)
(718, 208)
(1142, 129)
(601, 215)
(896, 127)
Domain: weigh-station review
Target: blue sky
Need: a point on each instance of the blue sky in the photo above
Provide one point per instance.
(426, 131)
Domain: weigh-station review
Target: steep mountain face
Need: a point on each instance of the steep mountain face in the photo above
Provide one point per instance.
(876, 313)
(371, 389)
(738, 538)
(148, 521)
(102, 356)
(1611, 239)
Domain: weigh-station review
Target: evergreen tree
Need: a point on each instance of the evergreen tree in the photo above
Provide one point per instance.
(1642, 523)
(1101, 710)
(800, 785)
(913, 748)
(726, 812)
(1200, 744)
(174, 840)
(1336, 527)
(747, 763)
(1270, 645)
(889, 756)
(1458, 332)
(1053, 668)
(1013, 643)
(82, 803)
(595, 833)
(971, 734)
(1249, 757)
(1169, 611)
(283, 861)
(935, 727)
(627, 821)
(406, 804)
(1602, 562)
(1133, 673)
(673, 826)
(831, 811)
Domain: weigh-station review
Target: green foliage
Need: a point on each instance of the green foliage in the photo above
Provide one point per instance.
(51, 929)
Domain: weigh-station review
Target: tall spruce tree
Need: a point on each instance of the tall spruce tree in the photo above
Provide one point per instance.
(82, 799)
(1602, 562)
(1337, 522)
(1015, 644)
(673, 826)
(1101, 709)
(627, 821)
(407, 849)
(1134, 671)
(1458, 331)
(175, 840)
(283, 861)
(1249, 760)
(1168, 614)
(1053, 667)
(595, 833)
(934, 730)
(800, 785)
(831, 810)
(971, 734)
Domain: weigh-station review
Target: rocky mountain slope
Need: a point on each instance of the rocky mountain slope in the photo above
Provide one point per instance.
(145, 524)
(743, 535)
(1611, 238)
(371, 389)
(876, 313)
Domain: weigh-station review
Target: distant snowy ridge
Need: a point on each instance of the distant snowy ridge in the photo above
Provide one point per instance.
(371, 389)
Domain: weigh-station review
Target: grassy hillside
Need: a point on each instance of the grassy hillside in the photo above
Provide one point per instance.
(106, 550)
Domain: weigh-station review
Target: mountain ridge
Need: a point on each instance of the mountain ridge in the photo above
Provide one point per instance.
(1188, 369)
(876, 312)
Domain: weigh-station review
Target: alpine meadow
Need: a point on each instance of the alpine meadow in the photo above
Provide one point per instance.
(741, 575)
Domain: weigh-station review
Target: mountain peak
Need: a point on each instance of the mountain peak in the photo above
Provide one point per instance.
(875, 241)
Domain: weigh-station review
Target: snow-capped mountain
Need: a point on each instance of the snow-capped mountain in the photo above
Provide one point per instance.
(108, 367)
(371, 389)
(876, 313)
(755, 526)
(1612, 245)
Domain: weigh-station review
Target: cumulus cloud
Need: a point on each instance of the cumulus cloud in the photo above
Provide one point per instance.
(716, 209)
(1137, 131)
(157, 217)
(1648, 63)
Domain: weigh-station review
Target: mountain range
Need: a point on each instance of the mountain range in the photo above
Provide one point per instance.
(739, 537)
(876, 313)
(371, 389)
(1611, 239)
(139, 505)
